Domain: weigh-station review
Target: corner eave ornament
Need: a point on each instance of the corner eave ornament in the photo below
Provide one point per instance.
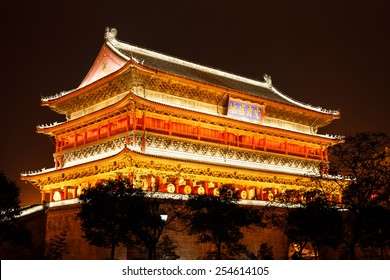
(110, 33)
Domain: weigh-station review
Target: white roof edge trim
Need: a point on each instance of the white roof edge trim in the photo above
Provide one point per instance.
(43, 126)
(58, 95)
(115, 49)
(318, 109)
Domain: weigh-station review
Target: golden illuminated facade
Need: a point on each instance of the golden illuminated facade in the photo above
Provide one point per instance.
(176, 127)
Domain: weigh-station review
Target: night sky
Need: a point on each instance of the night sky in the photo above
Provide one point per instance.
(333, 54)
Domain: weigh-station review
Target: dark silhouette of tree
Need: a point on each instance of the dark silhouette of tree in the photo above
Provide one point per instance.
(57, 247)
(265, 252)
(114, 213)
(376, 233)
(166, 249)
(317, 222)
(363, 166)
(9, 210)
(150, 223)
(218, 221)
(108, 212)
(311, 223)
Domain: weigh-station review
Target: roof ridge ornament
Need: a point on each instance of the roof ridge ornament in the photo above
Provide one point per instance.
(268, 80)
(110, 33)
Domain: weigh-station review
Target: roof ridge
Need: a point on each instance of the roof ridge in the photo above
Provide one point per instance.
(120, 46)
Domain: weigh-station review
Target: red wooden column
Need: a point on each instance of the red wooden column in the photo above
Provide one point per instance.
(143, 148)
(128, 123)
(134, 121)
(61, 161)
(51, 195)
(157, 183)
(65, 192)
(109, 129)
(75, 188)
(176, 183)
(261, 193)
(206, 186)
(306, 151)
(75, 140)
(149, 182)
(43, 196)
(57, 145)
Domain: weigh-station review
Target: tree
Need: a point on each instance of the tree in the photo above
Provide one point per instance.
(9, 210)
(264, 253)
(310, 223)
(376, 233)
(316, 222)
(154, 215)
(166, 250)
(57, 247)
(360, 169)
(108, 212)
(218, 221)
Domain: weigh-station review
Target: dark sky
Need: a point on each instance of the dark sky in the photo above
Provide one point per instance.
(334, 54)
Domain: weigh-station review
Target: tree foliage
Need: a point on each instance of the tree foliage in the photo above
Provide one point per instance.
(114, 213)
(167, 249)
(364, 160)
(316, 222)
(9, 199)
(218, 221)
(265, 252)
(57, 247)
(149, 226)
(311, 223)
(108, 212)
(9, 210)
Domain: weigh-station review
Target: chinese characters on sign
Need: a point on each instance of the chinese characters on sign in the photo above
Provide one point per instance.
(244, 110)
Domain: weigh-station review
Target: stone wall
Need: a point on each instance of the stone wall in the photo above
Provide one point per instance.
(64, 219)
(36, 224)
(51, 222)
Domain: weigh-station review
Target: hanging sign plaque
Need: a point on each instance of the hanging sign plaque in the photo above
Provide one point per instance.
(244, 110)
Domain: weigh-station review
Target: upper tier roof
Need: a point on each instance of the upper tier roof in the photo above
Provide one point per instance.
(117, 53)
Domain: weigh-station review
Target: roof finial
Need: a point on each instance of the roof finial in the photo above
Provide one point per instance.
(110, 33)
(268, 80)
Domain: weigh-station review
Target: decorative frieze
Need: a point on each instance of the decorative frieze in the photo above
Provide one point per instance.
(223, 154)
(93, 151)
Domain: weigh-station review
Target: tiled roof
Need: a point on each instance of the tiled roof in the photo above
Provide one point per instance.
(182, 68)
